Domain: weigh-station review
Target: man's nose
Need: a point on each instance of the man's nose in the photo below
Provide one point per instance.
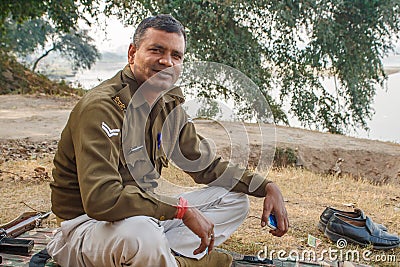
(166, 60)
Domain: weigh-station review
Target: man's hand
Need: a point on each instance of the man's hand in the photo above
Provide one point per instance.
(273, 203)
(202, 227)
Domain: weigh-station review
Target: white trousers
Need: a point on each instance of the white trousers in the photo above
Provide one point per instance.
(144, 241)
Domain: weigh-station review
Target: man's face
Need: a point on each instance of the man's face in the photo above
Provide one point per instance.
(158, 50)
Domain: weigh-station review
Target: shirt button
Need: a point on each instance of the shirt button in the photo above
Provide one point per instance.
(162, 218)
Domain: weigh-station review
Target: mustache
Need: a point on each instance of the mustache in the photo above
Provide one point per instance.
(171, 71)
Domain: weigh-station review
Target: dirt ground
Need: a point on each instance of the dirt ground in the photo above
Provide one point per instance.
(35, 121)
(30, 128)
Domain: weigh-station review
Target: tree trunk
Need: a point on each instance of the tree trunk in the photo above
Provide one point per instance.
(41, 57)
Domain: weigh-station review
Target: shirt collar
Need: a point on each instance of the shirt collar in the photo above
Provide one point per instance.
(131, 90)
(128, 77)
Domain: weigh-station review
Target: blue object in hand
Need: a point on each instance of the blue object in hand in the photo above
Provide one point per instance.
(272, 222)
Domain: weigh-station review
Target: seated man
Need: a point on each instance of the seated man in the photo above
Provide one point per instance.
(103, 195)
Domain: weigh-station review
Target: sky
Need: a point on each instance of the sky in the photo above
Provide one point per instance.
(115, 38)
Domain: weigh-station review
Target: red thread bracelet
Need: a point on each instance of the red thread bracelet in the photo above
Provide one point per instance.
(182, 208)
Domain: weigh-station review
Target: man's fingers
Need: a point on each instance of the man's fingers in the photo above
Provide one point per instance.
(206, 243)
(281, 220)
(287, 223)
(277, 232)
(203, 245)
(200, 249)
(283, 226)
(211, 246)
(264, 217)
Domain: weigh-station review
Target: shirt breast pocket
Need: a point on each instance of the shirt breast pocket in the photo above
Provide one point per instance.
(138, 162)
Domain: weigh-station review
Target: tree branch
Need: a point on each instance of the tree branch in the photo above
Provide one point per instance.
(41, 57)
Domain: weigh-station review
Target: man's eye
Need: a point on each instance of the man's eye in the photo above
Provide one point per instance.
(179, 57)
(155, 49)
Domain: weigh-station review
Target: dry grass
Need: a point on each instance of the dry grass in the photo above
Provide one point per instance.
(306, 195)
(20, 185)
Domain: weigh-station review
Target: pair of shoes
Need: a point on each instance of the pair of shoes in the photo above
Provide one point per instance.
(213, 259)
(356, 214)
(359, 231)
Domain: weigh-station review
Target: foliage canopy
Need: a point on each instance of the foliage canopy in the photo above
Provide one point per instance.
(287, 46)
(64, 14)
(38, 35)
(45, 26)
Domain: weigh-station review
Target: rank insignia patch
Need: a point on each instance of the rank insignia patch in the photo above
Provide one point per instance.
(110, 132)
(119, 103)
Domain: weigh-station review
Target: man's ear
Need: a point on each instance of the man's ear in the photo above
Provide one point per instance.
(131, 53)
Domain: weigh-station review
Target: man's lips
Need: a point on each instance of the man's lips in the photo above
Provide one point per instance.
(164, 72)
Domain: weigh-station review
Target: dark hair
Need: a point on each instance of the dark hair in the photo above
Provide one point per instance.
(162, 22)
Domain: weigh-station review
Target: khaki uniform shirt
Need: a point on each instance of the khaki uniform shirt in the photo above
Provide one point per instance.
(91, 174)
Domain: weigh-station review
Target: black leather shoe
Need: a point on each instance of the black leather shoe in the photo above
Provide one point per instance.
(362, 232)
(329, 211)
